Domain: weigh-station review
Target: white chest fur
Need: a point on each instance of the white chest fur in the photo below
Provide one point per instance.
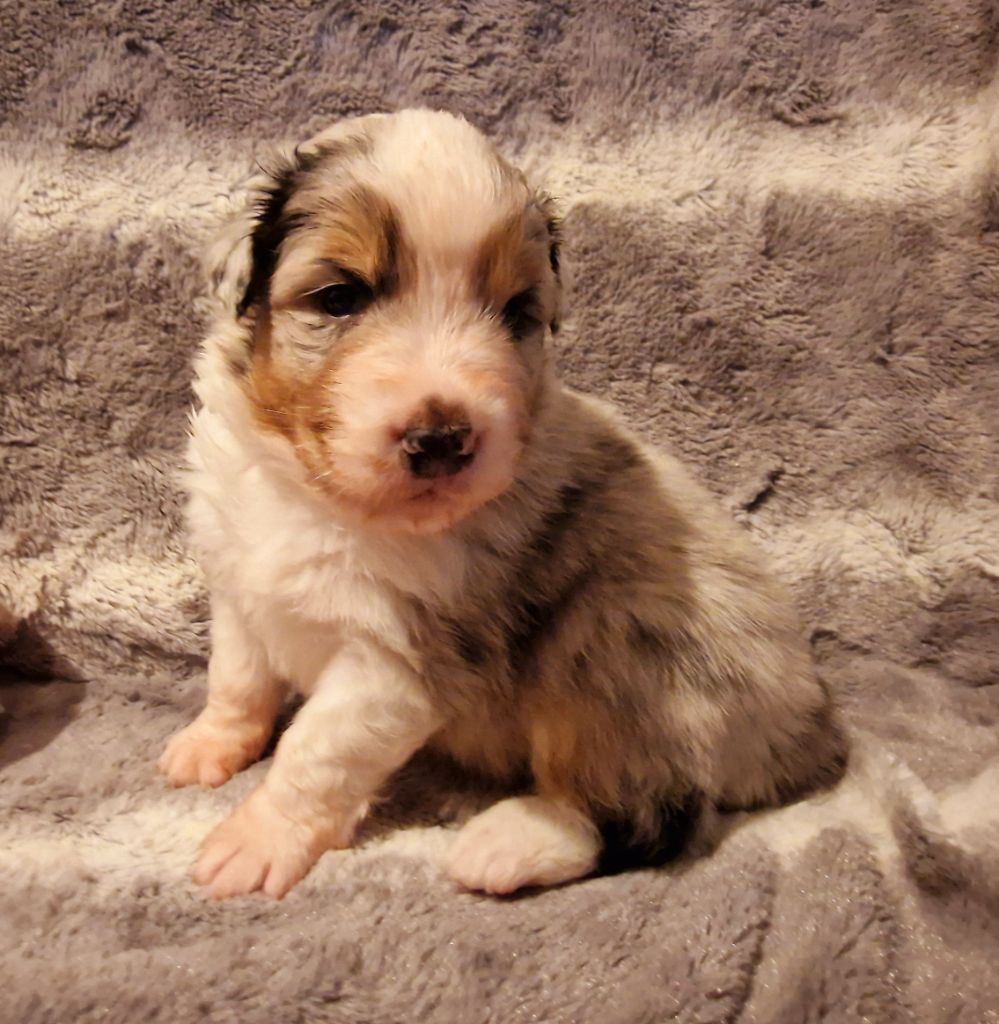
(303, 581)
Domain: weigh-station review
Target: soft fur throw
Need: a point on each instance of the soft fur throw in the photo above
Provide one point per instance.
(782, 237)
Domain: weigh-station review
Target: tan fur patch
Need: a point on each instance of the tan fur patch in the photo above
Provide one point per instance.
(554, 742)
(509, 262)
(356, 230)
(498, 754)
(566, 753)
(355, 233)
(285, 404)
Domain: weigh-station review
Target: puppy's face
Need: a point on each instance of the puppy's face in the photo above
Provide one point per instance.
(395, 296)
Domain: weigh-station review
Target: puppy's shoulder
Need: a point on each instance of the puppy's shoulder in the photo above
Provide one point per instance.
(637, 511)
(636, 482)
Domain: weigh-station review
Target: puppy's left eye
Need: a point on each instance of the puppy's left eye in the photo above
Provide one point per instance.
(518, 315)
(342, 300)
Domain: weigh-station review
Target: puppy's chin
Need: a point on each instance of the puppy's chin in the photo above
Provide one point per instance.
(434, 509)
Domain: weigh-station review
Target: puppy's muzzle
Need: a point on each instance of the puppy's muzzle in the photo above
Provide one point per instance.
(438, 451)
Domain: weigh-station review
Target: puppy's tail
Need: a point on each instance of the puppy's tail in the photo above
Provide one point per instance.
(626, 847)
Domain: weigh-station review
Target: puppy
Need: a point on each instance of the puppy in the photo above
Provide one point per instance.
(404, 516)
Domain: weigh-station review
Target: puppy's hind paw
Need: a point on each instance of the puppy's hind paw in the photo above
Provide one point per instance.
(523, 841)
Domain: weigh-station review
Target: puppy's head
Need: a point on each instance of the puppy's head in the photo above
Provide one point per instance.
(393, 284)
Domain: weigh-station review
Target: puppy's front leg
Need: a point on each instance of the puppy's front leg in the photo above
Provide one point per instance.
(368, 715)
(237, 721)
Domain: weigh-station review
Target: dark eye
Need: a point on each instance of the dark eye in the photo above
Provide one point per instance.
(340, 300)
(518, 315)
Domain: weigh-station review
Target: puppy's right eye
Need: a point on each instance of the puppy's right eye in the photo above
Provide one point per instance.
(343, 300)
(518, 315)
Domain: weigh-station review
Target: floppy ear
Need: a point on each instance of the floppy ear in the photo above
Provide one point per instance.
(227, 260)
(553, 227)
(240, 260)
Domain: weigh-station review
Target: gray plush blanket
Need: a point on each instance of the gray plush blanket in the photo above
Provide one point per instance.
(782, 224)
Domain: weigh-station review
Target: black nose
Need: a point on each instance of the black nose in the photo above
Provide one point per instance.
(437, 451)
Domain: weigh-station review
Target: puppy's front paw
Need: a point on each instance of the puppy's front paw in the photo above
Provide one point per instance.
(521, 842)
(259, 847)
(207, 754)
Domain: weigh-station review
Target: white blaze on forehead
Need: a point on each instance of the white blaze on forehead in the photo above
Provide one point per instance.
(447, 185)
(454, 361)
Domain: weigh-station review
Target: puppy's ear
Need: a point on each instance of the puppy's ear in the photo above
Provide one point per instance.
(553, 227)
(241, 259)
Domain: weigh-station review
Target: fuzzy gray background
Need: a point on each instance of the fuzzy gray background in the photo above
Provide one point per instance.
(782, 236)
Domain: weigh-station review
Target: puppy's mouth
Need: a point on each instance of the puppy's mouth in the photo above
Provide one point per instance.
(426, 485)
(437, 488)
